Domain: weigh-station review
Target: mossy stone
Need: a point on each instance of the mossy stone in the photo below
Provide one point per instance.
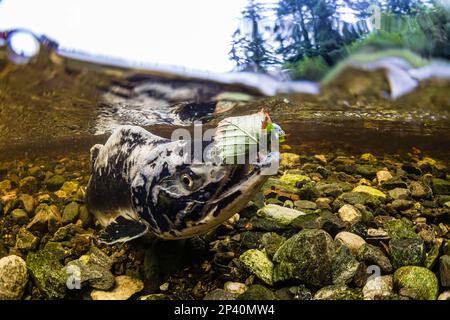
(29, 185)
(155, 296)
(369, 190)
(367, 171)
(70, 213)
(273, 184)
(400, 228)
(444, 270)
(293, 179)
(306, 256)
(309, 192)
(441, 186)
(263, 224)
(258, 262)
(271, 242)
(25, 240)
(289, 160)
(257, 292)
(338, 292)
(19, 216)
(69, 189)
(355, 198)
(433, 254)
(5, 186)
(344, 267)
(420, 280)
(55, 182)
(307, 221)
(407, 252)
(85, 216)
(47, 273)
(373, 255)
(330, 189)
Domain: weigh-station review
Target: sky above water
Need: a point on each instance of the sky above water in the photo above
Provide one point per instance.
(191, 33)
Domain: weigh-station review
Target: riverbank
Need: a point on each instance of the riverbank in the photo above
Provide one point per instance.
(331, 223)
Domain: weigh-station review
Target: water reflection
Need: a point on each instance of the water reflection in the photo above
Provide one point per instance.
(22, 46)
(59, 98)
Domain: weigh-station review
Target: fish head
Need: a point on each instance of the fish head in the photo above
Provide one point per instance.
(181, 197)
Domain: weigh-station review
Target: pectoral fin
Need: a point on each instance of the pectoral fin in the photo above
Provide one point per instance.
(123, 229)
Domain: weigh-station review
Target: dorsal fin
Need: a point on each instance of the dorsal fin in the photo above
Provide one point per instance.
(94, 152)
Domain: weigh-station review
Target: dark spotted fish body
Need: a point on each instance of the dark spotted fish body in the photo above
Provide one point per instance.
(141, 182)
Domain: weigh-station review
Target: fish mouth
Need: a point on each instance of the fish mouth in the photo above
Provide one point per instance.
(246, 176)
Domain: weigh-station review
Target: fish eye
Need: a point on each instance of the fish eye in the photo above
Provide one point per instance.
(187, 181)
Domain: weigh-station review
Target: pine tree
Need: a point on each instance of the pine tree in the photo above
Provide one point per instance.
(307, 29)
(404, 7)
(249, 49)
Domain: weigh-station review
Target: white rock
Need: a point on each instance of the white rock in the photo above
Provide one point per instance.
(350, 240)
(378, 286)
(235, 287)
(350, 214)
(164, 286)
(125, 287)
(383, 175)
(321, 158)
(376, 233)
(279, 214)
(13, 277)
(444, 295)
(399, 193)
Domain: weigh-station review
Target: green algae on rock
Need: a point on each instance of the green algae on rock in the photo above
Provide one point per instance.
(373, 255)
(338, 292)
(155, 296)
(307, 256)
(26, 240)
(441, 186)
(407, 252)
(257, 292)
(29, 185)
(272, 242)
(293, 179)
(258, 263)
(433, 254)
(47, 273)
(344, 267)
(400, 228)
(70, 213)
(289, 160)
(369, 190)
(355, 198)
(20, 216)
(55, 182)
(419, 281)
(444, 270)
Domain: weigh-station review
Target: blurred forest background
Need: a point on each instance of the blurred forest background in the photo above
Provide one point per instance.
(305, 38)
